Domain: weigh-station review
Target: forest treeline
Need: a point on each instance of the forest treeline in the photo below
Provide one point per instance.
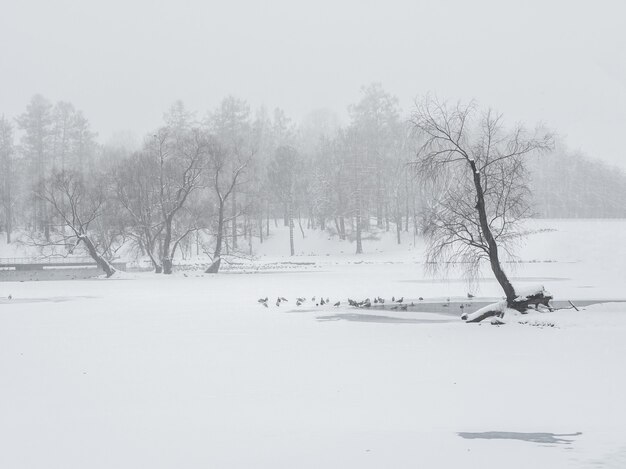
(210, 184)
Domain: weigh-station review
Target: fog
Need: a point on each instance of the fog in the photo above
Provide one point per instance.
(123, 63)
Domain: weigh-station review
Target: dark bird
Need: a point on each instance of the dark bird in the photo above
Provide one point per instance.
(404, 307)
(278, 302)
(421, 299)
(264, 304)
(262, 300)
(322, 302)
(469, 295)
(313, 299)
(400, 300)
(381, 300)
(337, 304)
(301, 300)
(393, 298)
(282, 298)
(352, 303)
(10, 297)
(298, 303)
(445, 305)
(395, 307)
(375, 300)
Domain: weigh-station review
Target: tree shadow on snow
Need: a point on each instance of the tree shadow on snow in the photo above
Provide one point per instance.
(543, 438)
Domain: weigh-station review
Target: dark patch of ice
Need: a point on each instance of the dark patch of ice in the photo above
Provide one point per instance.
(543, 438)
(356, 317)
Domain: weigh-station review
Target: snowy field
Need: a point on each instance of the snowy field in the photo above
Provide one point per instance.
(191, 371)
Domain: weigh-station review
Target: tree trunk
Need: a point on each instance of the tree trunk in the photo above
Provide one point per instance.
(359, 246)
(379, 208)
(109, 270)
(300, 225)
(215, 266)
(167, 241)
(494, 259)
(9, 222)
(399, 229)
(290, 217)
(234, 221)
(267, 225)
(217, 253)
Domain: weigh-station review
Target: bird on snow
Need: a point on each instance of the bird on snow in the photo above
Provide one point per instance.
(262, 300)
(10, 297)
(301, 300)
(404, 307)
(381, 300)
(282, 298)
(264, 304)
(277, 301)
(394, 307)
(393, 298)
(469, 295)
(298, 303)
(313, 299)
(421, 299)
(400, 300)
(337, 304)
(375, 300)
(322, 302)
(327, 300)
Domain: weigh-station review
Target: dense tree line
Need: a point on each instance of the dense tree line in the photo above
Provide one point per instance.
(207, 185)
(568, 184)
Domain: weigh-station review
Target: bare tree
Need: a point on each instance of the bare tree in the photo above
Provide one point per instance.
(78, 204)
(482, 210)
(7, 172)
(284, 176)
(180, 159)
(137, 190)
(35, 125)
(225, 175)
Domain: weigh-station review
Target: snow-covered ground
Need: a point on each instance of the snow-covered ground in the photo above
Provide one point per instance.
(191, 371)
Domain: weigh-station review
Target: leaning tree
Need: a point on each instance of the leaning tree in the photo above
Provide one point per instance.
(481, 210)
(78, 204)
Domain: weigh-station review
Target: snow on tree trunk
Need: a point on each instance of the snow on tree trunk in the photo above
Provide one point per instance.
(108, 269)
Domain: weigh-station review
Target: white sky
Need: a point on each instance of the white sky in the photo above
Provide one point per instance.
(124, 62)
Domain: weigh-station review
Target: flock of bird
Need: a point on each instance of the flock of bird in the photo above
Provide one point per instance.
(398, 304)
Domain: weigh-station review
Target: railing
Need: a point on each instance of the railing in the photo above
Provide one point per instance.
(46, 260)
(38, 263)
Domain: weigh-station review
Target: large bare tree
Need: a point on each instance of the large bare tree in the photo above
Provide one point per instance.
(486, 196)
(180, 158)
(78, 204)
